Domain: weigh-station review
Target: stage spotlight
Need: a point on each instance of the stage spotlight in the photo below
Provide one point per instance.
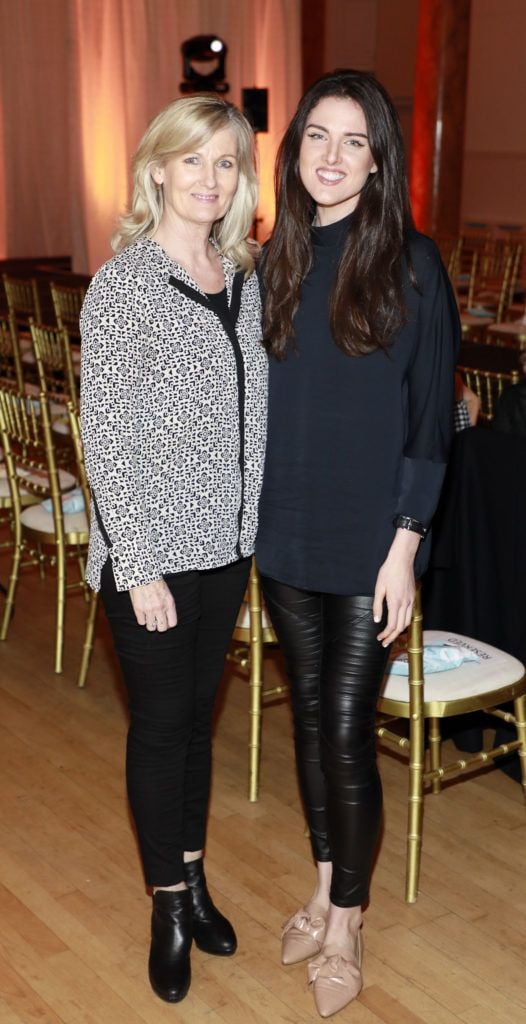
(204, 64)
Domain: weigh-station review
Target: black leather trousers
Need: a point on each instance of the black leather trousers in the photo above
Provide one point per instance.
(335, 665)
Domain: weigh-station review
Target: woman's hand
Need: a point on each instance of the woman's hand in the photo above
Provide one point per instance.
(396, 585)
(154, 606)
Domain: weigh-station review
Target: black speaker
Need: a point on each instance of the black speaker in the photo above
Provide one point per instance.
(255, 108)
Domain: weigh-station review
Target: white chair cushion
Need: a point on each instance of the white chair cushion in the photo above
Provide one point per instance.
(243, 619)
(55, 408)
(4, 485)
(515, 327)
(61, 426)
(494, 670)
(38, 518)
(66, 480)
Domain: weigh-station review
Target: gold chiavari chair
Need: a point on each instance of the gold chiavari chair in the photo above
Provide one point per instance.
(23, 299)
(488, 385)
(475, 686)
(23, 302)
(477, 318)
(67, 303)
(451, 253)
(11, 373)
(74, 421)
(253, 630)
(56, 375)
(31, 457)
(510, 333)
(514, 277)
(9, 470)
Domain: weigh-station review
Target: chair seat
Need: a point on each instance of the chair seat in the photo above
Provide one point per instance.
(66, 483)
(496, 670)
(60, 425)
(56, 409)
(515, 328)
(243, 619)
(470, 320)
(39, 518)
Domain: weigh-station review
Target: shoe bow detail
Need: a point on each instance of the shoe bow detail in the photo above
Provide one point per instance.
(302, 935)
(303, 921)
(336, 977)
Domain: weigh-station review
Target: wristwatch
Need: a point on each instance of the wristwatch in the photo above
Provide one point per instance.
(408, 523)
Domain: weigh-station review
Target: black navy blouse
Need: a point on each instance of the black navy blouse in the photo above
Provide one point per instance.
(355, 441)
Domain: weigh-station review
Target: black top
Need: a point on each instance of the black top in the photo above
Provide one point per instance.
(219, 302)
(356, 440)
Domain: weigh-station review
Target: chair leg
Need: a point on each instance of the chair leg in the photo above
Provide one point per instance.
(88, 638)
(415, 812)
(255, 685)
(82, 576)
(435, 753)
(519, 706)
(61, 604)
(41, 562)
(13, 580)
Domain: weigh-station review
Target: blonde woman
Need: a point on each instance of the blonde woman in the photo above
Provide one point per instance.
(174, 380)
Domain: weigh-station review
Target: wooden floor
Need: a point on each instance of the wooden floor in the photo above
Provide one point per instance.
(74, 915)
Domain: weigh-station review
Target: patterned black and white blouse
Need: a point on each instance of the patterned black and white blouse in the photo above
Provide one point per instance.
(173, 417)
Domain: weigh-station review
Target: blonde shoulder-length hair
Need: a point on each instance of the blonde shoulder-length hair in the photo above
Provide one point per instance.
(182, 127)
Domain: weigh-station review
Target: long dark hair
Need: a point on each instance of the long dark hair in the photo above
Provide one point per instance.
(367, 304)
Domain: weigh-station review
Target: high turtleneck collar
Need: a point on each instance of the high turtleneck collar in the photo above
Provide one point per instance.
(331, 234)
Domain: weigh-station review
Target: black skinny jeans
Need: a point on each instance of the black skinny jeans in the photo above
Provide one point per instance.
(335, 665)
(172, 680)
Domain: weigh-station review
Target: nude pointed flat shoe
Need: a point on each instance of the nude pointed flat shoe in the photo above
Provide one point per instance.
(303, 934)
(336, 977)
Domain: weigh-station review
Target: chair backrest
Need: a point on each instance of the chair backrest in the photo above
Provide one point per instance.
(54, 363)
(504, 288)
(514, 273)
(23, 300)
(67, 303)
(11, 373)
(472, 278)
(27, 439)
(488, 385)
(450, 250)
(82, 477)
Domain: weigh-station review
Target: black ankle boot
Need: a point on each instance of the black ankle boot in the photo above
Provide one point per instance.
(169, 964)
(211, 930)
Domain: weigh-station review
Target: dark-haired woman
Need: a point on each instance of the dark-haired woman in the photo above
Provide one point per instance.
(363, 327)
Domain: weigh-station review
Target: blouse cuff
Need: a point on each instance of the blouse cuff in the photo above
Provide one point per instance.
(133, 564)
(420, 488)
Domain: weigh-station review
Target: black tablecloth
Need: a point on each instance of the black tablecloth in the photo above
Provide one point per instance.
(476, 583)
(496, 358)
(477, 580)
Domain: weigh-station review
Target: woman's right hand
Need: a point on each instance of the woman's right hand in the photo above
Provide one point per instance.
(154, 606)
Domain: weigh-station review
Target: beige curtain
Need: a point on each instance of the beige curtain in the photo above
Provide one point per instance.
(80, 81)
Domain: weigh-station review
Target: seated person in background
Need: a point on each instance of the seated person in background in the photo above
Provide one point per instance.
(467, 405)
(510, 413)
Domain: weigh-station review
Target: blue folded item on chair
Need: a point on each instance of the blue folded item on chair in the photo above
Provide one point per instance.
(72, 502)
(437, 658)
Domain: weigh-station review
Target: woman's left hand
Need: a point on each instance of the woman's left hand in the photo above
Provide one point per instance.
(395, 584)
